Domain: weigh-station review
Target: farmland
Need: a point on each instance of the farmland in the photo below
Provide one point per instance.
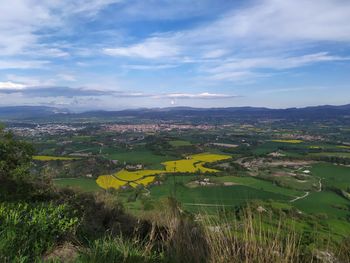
(288, 141)
(193, 164)
(84, 184)
(52, 158)
(298, 172)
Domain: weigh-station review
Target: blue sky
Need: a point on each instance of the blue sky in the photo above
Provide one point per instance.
(117, 54)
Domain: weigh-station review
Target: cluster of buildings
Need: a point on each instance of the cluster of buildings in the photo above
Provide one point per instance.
(44, 129)
(155, 127)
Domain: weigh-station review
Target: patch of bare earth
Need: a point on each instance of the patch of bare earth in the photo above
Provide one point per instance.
(229, 183)
(64, 253)
(270, 162)
(283, 174)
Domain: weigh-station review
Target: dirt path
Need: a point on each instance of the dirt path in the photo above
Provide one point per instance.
(307, 193)
(300, 197)
(320, 185)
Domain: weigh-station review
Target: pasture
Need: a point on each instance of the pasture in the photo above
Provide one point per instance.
(135, 156)
(330, 154)
(335, 176)
(179, 143)
(259, 184)
(212, 197)
(325, 202)
(84, 184)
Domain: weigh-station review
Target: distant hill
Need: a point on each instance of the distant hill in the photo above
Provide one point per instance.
(27, 112)
(183, 113)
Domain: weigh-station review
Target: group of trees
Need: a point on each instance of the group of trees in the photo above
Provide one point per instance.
(15, 157)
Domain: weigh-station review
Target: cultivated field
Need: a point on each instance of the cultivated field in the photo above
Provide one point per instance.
(52, 158)
(193, 164)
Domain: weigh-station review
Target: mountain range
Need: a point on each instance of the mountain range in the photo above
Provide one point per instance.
(182, 113)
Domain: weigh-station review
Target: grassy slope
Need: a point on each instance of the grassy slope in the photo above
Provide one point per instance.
(259, 185)
(213, 195)
(84, 184)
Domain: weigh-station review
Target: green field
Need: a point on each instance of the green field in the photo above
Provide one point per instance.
(331, 154)
(333, 175)
(260, 185)
(324, 202)
(211, 196)
(178, 143)
(84, 184)
(135, 156)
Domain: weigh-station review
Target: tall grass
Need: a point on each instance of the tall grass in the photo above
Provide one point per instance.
(249, 240)
(117, 249)
(220, 239)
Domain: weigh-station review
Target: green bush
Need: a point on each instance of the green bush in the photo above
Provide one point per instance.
(28, 230)
(15, 156)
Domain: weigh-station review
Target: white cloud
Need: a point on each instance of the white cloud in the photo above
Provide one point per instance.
(152, 48)
(276, 22)
(11, 85)
(67, 77)
(87, 7)
(150, 66)
(22, 20)
(204, 95)
(262, 35)
(241, 68)
(280, 20)
(216, 53)
(22, 64)
(231, 76)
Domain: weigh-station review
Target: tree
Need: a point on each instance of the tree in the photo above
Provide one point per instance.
(15, 157)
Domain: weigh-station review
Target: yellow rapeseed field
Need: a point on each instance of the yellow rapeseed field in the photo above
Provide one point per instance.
(192, 164)
(146, 181)
(108, 181)
(136, 175)
(288, 141)
(52, 158)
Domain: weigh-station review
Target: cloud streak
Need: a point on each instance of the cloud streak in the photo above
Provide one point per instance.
(69, 92)
(204, 95)
(152, 48)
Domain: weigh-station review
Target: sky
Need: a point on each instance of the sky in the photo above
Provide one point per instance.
(118, 54)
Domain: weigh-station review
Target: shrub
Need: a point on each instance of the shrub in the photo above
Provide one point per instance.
(28, 230)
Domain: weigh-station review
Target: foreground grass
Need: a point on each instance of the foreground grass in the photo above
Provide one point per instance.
(117, 249)
(99, 231)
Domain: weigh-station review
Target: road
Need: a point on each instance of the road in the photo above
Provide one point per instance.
(300, 197)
